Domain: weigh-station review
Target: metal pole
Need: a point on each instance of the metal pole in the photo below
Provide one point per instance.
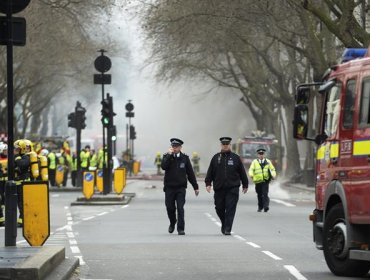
(130, 147)
(78, 148)
(10, 194)
(127, 136)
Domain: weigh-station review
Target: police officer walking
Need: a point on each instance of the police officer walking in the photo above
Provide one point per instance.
(226, 170)
(262, 172)
(178, 170)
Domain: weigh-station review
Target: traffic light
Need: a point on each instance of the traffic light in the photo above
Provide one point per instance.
(72, 120)
(105, 112)
(80, 117)
(114, 133)
(132, 132)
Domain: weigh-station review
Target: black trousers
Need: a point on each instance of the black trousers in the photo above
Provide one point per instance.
(226, 200)
(52, 177)
(74, 177)
(175, 198)
(262, 190)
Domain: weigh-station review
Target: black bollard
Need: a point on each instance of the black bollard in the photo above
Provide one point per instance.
(10, 213)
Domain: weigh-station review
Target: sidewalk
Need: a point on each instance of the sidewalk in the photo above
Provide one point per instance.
(49, 262)
(25, 263)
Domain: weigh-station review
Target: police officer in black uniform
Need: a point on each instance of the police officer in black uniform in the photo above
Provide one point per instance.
(178, 170)
(226, 170)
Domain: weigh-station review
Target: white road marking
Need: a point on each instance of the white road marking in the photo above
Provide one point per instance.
(290, 268)
(239, 237)
(88, 218)
(75, 250)
(72, 241)
(295, 272)
(253, 244)
(102, 213)
(124, 206)
(271, 255)
(81, 261)
(282, 202)
(70, 234)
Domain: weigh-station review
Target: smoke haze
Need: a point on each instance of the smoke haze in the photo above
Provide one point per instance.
(182, 110)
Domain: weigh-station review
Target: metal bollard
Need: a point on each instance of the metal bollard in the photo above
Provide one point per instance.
(10, 213)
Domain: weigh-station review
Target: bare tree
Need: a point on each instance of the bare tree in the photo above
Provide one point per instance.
(231, 43)
(62, 39)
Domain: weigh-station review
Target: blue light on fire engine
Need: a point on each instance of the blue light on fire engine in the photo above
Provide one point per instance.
(351, 53)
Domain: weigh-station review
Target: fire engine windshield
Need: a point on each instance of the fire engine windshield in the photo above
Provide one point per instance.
(249, 150)
(332, 110)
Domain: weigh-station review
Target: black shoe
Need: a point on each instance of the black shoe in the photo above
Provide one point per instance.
(181, 232)
(259, 210)
(227, 233)
(171, 228)
(266, 209)
(223, 230)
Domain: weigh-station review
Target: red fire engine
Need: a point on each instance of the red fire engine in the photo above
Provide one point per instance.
(341, 220)
(246, 148)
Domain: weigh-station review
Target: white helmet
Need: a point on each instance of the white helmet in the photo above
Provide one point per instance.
(44, 152)
(3, 146)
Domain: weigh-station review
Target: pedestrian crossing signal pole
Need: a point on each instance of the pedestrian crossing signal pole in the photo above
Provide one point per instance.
(103, 64)
(78, 122)
(10, 7)
(129, 142)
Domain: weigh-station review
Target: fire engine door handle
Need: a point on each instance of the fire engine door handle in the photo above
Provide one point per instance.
(334, 160)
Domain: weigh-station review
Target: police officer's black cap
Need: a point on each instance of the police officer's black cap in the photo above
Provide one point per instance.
(176, 142)
(261, 150)
(225, 140)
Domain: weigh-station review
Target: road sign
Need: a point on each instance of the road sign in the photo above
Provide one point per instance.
(19, 31)
(88, 184)
(36, 219)
(129, 107)
(17, 5)
(99, 180)
(105, 79)
(102, 63)
(119, 180)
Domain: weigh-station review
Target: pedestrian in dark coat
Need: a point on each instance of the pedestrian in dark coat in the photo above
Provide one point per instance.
(178, 171)
(226, 171)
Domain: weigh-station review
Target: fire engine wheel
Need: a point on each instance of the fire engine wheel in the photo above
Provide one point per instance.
(336, 250)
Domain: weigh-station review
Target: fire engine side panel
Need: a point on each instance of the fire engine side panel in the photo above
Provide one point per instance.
(358, 149)
(345, 156)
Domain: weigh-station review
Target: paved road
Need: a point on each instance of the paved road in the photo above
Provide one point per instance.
(132, 242)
